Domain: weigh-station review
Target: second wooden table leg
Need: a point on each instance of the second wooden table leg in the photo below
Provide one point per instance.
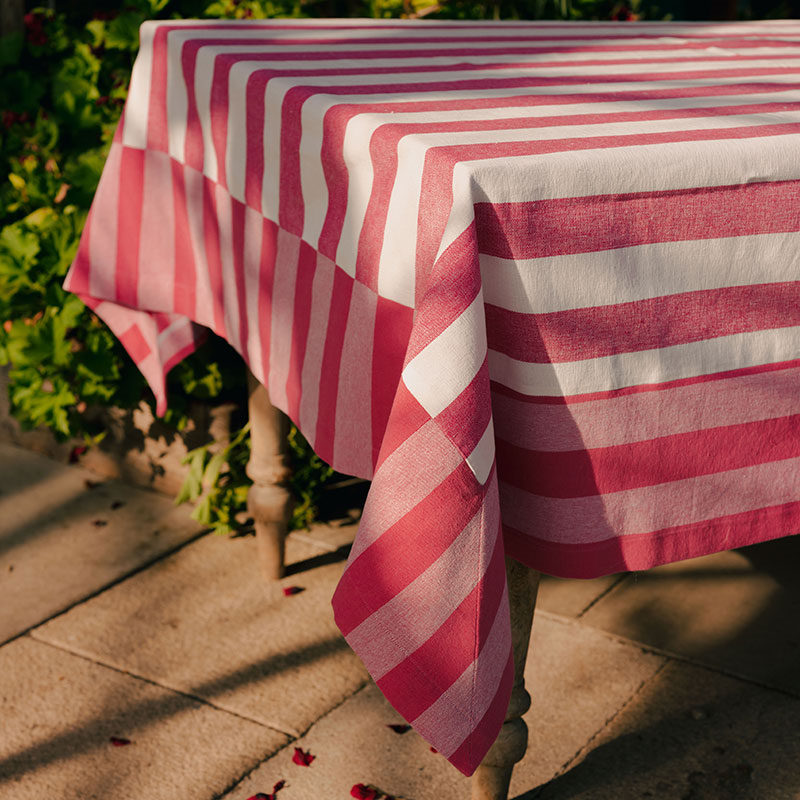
(492, 778)
(269, 501)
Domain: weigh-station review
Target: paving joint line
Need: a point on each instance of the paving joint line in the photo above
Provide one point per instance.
(679, 657)
(603, 594)
(587, 745)
(173, 689)
(240, 780)
(115, 582)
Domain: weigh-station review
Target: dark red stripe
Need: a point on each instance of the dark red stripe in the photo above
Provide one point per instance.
(642, 551)
(266, 277)
(393, 323)
(331, 363)
(238, 212)
(213, 257)
(301, 319)
(658, 322)
(184, 296)
(129, 223)
(470, 754)
(581, 224)
(583, 473)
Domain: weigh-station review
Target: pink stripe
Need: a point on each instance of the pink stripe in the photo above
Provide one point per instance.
(674, 215)
(352, 448)
(129, 220)
(157, 249)
(646, 415)
(407, 548)
(470, 754)
(101, 225)
(301, 319)
(643, 551)
(646, 387)
(450, 651)
(581, 473)
(590, 519)
(315, 347)
(284, 286)
(331, 364)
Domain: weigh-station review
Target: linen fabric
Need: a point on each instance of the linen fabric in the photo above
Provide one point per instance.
(538, 281)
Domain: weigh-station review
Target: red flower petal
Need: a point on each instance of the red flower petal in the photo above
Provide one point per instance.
(77, 451)
(278, 786)
(301, 757)
(118, 741)
(363, 791)
(434, 750)
(401, 729)
(290, 590)
(260, 796)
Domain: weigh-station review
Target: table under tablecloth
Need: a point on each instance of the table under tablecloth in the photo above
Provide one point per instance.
(537, 281)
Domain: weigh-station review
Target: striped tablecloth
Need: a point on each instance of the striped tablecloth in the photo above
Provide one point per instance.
(539, 268)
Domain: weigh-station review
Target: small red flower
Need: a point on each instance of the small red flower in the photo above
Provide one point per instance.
(401, 729)
(290, 590)
(434, 750)
(76, 452)
(273, 795)
(363, 791)
(302, 757)
(119, 741)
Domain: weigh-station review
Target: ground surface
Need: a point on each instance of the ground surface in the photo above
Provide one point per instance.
(120, 620)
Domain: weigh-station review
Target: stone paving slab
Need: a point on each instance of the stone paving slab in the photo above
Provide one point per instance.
(203, 621)
(738, 611)
(65, 534)
(573, 598)
(691, 734)
(578, 677)
(59, 712)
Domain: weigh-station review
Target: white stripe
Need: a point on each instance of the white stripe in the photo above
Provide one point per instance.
(134, 134)
(480, 460)
(608, 277)
(644, 367)
(438, 374)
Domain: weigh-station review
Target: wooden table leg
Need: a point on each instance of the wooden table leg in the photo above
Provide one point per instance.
(491, 779)
(269, 501)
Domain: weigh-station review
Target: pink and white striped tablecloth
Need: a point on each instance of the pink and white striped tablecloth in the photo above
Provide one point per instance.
(539, 270)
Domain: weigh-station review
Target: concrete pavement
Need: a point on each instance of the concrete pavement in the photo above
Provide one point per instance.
(152, 665)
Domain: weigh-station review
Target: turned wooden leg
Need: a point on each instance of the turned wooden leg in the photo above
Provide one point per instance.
(491, 779)
(269, 501)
